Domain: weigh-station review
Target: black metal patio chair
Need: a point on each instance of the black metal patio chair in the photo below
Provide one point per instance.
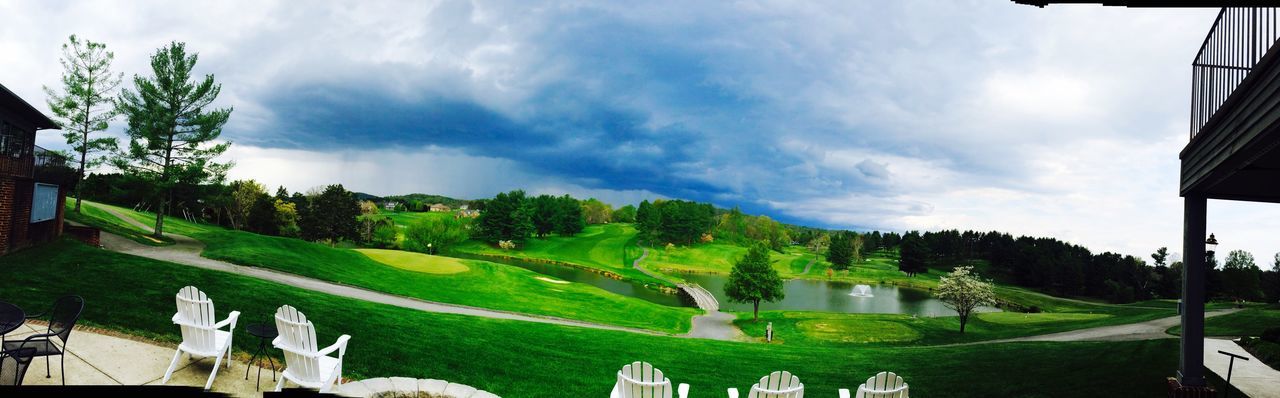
(62, 318)
(13, 365)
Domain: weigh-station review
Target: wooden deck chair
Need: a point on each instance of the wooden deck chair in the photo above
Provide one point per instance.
(306, 364)
(201, 334)
(882, 385)
(642, 380)
(780, 384)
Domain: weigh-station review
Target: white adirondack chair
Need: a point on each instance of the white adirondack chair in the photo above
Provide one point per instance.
(305, 363)
(882, 385)
(780, 384)
(642, 380)
(201, 334)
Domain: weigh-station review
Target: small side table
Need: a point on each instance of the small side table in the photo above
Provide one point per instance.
(265, 333)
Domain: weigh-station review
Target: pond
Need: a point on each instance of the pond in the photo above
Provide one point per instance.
(834, 296)
(572, 274)
(802, 294)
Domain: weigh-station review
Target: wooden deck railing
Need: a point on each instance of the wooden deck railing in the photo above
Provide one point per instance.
(1238, 39)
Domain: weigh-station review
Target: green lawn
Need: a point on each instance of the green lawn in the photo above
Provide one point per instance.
(519, 359)
(484, 284)
(819, 328)
(1250, 321)
(601, 246)
(95, 217)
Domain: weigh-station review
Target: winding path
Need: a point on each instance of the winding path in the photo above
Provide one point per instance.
(187, 251)
(808, 266)
(714, 324)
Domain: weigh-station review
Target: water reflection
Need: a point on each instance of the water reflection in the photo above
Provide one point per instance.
(833, 296)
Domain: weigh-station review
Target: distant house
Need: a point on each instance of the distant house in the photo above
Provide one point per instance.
(389, 205)
(464, 207)
(33, 181)
(439, 207)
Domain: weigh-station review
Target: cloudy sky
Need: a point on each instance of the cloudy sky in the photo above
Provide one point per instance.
(1064, 121)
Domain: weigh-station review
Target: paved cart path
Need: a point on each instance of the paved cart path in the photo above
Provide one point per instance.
(187, 251)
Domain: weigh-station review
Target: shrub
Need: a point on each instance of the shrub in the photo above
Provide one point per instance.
(1271, 334)
(506, 244)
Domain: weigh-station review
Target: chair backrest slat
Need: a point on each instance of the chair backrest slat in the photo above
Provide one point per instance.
(299, 339)
(883, 385)
(779, 384)
(642, 380)
(196, 316)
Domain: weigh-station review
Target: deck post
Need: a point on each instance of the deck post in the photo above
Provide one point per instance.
(1191, 355)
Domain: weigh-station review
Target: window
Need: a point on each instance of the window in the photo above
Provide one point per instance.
(13, 141)
(44, 203)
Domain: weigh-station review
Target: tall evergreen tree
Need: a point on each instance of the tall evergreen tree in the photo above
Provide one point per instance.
(332, 215)
(570, 219)
(545, 215)
(753, 280)
(508, 216)
(85, 104)
(914, 256)
(171, 133)
(840, 250)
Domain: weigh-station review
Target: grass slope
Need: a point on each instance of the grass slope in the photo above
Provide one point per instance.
(519, 359)
(1250, 321)
(485, 284)
(97, 218)
(601, 246)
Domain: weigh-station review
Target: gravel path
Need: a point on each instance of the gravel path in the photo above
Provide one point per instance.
(187, 251)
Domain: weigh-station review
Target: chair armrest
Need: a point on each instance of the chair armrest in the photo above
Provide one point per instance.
(231, 319)
(844, 393)
(38, 336)
(683, 390)
(176, 318)
(733, 392)
(340, 345)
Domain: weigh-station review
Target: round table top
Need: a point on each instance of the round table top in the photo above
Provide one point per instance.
(262, 330)
(10, 317)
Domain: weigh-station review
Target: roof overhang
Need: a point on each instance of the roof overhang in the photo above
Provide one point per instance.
(12, 101)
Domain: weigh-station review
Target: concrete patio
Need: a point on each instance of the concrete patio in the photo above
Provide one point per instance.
(95, 358)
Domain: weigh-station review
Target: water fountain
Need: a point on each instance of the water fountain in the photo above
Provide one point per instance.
(861, 291)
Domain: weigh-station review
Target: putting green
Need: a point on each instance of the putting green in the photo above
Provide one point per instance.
(1018, 318)
(416, 262)
(856, 330)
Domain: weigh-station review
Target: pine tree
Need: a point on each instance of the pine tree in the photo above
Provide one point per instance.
(171, 134)
(840, 250)
(85, 106)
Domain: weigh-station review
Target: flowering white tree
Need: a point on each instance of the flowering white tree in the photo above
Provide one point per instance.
(963, 291)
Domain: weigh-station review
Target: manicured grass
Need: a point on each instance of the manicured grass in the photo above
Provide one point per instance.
(519, 359)
(817, 328)
(601, 246)
(95, 217)
(485, 284)
(416, 262)
(1247, 322)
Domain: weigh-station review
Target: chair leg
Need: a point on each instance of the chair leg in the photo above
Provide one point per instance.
(214, 373)
(280, 384)
(47, 373)
(172, 365)
(62, 367)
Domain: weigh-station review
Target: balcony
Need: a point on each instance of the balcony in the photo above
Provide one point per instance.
(52, 167)
(1235, 109)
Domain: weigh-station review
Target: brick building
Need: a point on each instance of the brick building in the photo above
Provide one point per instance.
(33, 181)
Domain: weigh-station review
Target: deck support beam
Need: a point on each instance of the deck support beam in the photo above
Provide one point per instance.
(1191, 354)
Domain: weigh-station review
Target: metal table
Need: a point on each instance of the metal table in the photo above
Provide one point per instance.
(11, 317)
(265, 333)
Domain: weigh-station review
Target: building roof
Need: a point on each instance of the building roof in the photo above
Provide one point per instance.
(9, 100)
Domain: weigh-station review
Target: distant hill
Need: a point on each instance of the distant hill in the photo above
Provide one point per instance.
(361, 196)
(427, 199)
